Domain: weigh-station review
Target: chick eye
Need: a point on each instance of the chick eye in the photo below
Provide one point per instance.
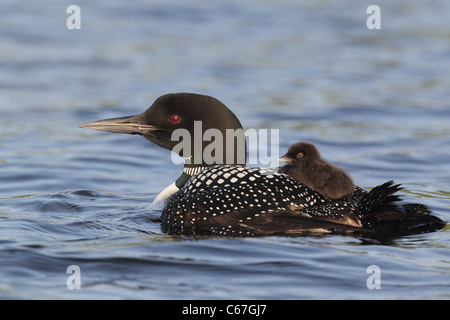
(174, 118)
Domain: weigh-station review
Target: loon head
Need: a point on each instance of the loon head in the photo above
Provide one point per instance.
(210, 134)
(300, 151)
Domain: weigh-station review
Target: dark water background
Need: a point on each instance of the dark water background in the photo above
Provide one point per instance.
(375, 102)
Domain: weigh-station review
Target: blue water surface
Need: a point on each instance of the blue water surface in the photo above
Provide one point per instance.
(375, 102)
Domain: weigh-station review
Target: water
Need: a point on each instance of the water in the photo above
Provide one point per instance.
(375, 102)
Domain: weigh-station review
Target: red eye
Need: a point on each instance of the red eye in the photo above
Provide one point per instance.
(174, 118)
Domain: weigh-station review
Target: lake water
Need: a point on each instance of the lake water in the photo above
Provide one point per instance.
(375, 102)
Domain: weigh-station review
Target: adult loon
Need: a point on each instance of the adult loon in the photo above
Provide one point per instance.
(303, 163)
(227, 198)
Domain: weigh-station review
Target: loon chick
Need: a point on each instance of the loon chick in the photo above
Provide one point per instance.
(225, 197)
(305, 165)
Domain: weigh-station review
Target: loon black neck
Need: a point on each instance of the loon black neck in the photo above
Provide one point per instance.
(188, 172)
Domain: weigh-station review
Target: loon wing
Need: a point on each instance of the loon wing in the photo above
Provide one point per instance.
(285, 222)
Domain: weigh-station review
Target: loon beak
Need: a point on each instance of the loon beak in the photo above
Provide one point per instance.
(130, 125)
